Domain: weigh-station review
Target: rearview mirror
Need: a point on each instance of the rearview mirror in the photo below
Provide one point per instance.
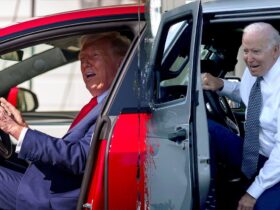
(13, 56)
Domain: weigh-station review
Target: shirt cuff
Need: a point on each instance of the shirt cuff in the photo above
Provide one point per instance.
(255, 190)
(228, 87)
(20, 139)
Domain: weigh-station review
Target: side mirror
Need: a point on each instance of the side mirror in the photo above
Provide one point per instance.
(23, 99)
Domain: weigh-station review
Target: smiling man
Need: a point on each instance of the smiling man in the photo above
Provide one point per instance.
(99, 61)
(53, 179)
(257, 155)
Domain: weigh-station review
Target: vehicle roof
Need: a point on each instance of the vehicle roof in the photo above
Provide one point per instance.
(97, 14)
(210, 6)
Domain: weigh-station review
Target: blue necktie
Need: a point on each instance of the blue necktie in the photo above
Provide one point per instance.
(251, 143)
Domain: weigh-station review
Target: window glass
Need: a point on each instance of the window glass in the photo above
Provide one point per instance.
(174, 71)
(171, 36)
(15, 57)
(51, 71)
(60, 90)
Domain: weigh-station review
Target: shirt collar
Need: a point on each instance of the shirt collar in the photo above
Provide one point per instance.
(273, 72)
(102, 96)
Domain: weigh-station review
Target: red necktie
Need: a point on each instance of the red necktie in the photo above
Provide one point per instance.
(84, 111)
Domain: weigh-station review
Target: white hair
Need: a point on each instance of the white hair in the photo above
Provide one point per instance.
(267, 29)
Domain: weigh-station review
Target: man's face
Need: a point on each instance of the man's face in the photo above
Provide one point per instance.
(98, 65)
(258, 56)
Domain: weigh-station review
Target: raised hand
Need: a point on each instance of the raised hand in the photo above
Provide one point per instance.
(11, 121)
(13, 112)
(210, 82)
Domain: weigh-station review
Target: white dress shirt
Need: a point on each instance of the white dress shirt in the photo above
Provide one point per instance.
(269, 135)
(24, 130)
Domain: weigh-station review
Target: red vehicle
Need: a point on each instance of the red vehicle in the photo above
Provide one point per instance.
(150, 147)
(54, 40)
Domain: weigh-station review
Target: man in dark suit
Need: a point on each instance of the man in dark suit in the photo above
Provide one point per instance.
(53, 179)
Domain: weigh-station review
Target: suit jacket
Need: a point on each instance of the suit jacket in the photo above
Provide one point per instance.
(53, 179)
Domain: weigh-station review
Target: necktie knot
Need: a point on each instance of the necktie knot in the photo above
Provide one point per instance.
(258, 80)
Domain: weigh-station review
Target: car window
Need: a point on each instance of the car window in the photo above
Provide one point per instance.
(57, 89)
(11, 58)
(171, 36)
(174, 79)
(51, 70)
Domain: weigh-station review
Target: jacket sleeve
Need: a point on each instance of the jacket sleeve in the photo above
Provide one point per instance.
(69, 153)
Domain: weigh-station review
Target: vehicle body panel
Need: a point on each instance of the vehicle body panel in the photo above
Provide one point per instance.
(172, 128)
(127, 163)
(225, 6)
(70, 19)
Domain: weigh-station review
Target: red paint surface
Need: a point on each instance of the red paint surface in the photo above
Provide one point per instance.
(12, 96)
(96, 190)
(126, 166)
(68, 16)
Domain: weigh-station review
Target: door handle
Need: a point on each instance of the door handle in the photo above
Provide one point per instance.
(178, 136)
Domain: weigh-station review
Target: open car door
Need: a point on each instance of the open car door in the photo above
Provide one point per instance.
(150, 146)
(178, 170)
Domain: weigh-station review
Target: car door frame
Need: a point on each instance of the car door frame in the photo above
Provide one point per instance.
(196, 123)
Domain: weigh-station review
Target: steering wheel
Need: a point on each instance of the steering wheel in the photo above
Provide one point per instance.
(219, 110)
(6, 149)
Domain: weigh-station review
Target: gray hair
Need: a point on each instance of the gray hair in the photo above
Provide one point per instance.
(265, 28)
(119, 43)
